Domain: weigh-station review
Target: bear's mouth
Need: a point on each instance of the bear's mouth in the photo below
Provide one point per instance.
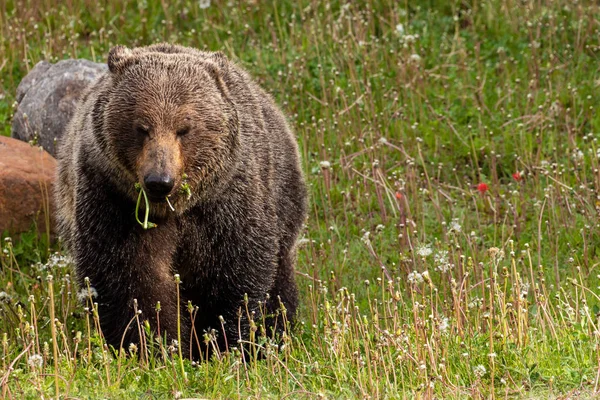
(161, 197)
(157, 199)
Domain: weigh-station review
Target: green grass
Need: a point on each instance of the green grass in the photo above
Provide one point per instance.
(401, 111)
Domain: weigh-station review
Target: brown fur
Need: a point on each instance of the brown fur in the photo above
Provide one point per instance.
(170, 110)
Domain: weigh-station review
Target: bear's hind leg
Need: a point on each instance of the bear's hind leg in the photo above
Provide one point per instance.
(284, 293)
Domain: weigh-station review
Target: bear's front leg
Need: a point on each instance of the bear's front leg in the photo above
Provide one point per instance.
(123, 263)
(228, 260)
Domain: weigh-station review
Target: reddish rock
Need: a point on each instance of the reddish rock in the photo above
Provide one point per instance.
(26, 179)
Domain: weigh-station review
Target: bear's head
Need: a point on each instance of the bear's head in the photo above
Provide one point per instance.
(170, 123)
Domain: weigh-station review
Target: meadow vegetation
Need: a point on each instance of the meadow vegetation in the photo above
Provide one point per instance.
(452, 248)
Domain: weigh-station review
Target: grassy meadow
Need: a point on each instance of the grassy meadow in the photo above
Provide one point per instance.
(452, 248)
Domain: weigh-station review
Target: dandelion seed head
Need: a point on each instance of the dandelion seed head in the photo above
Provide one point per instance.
(4, 297)
(415, 58)
(325, 164)
(479, 371)
(415, 277)
(442, 261)
(84, 294)
(35, 360)
(455, 226)
(444, 325)
(410, 39)
(495, 253)
(365, 237)
(424, 251)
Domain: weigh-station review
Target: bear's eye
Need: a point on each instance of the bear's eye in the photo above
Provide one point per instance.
(183, 131)
(142, 131)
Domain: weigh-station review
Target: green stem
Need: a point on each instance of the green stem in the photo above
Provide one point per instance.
(178, 281)
(170, 205)
(146, 224)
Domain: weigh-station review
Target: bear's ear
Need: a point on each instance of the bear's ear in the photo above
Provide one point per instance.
(219, 71)
(219, 58)
(118, 58)
(218, 68)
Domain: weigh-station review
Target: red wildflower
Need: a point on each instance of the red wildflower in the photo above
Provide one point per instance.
(398, 195)
(517, 176)
(482, 187)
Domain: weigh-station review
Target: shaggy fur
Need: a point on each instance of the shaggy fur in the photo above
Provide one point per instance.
(174, 110)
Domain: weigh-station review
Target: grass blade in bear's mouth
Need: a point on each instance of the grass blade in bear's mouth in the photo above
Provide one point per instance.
(169, 203)
(146, 224)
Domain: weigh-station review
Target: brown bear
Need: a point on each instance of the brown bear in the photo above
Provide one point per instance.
(221, 170)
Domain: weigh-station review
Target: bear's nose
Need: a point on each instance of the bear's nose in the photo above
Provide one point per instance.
(158, 186)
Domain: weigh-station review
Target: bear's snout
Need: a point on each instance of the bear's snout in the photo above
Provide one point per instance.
(158, 186)
(159, 165)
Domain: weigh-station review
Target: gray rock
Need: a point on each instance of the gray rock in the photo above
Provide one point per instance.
(47, 97)
(36, 74)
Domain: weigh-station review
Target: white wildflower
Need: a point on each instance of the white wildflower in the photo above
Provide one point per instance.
(444, 325)
(415, 58)
(57, 260)
(4, 297)
(495, 253)
(584, 311)
(475, 303)
(400, 29)
(203, 4)
(173, 347)
(35, 361)
(365, 237)
(409, 38)
(525, 289)
(455, 226)
(424, 251)
(479, 371)
(325, 164)
(415, 277)
(441, 260)
(84, 294)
